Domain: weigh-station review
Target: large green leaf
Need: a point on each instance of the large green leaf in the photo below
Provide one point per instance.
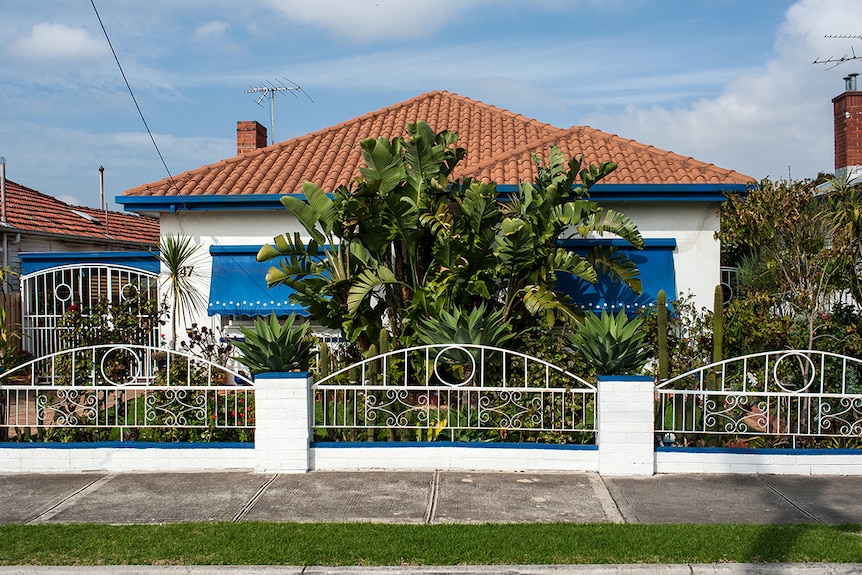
(563, 260)
(383, 162)
(611, 221)
(615, 264)
(366, 283)
(423, 157)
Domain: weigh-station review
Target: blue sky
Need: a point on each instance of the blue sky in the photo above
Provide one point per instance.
(727, 81)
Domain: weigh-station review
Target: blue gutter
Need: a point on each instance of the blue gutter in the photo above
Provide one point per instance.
(599, 192)
(37, 261)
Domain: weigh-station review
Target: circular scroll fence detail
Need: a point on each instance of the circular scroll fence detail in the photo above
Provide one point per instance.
(463, 350)
(129, 291)
(135, 364)
(63, 292)
(813, 371)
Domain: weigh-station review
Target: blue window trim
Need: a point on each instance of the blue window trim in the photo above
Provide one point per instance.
(649, 243)
(598, 192)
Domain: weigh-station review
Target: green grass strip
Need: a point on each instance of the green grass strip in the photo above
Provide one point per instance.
(379, 544)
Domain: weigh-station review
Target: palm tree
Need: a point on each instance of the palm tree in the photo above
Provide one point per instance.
(177, 256)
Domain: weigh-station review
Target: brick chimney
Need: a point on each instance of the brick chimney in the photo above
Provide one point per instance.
(250, 136)
(848, 129)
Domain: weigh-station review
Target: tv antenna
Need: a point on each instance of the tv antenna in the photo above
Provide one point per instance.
(846, 57)
(269, 90)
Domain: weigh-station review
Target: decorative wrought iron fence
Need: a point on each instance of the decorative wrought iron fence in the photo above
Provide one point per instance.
(455, 392)
(123, 391)
(789, 398)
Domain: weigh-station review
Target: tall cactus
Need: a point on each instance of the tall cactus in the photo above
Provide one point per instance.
(383, 341)
(717, 337)
(323, 360)
(373, 365)
(718, 324)
(662, 336)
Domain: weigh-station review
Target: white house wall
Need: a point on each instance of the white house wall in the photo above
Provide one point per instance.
(697, 257)
(692, 224)
(226, 228)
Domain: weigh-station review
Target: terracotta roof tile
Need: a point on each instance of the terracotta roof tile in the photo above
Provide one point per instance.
(498, 143)
(33, 211)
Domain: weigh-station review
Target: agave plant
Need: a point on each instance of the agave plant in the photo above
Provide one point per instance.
(478, 327)
(274, 346)
(614, 344)
(460, 328)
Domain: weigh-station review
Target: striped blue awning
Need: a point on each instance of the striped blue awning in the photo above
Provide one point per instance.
(238, 285)
(654, 262)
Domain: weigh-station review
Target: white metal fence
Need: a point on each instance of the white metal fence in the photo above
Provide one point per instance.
(798, 395)
(454, 392)
(119, 391)
(48, 294)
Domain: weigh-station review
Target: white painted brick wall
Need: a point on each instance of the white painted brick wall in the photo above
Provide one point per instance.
(75, 459)
(624, 421)
(282, 422)
(283, 413)
(454, 458)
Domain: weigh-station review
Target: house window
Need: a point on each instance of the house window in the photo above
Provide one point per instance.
(654, 262)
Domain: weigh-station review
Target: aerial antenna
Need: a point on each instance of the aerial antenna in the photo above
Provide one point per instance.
(269, 90)
(846, 57)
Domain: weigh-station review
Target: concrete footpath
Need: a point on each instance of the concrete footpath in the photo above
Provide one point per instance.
(430, 498)
(427, 497)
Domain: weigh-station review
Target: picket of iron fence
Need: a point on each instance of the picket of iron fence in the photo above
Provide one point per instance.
(796, 396)
(458, 392)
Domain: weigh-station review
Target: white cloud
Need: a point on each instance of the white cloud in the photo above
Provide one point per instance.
(369, 20)
(49, 41)
(211, 30)
(767, 122)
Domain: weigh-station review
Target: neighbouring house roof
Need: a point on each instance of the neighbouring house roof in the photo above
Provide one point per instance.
(28, 210)
(499, 144)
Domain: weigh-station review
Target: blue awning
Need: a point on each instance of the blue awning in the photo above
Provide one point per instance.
(238, 285)
(654, 262)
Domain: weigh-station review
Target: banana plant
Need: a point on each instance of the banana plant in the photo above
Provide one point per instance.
(369, 251)
(556, 207)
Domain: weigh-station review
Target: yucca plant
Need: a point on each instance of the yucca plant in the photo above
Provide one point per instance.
(614, 344)
(273, 346)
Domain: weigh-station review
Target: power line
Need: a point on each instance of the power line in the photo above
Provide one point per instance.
(135, 100)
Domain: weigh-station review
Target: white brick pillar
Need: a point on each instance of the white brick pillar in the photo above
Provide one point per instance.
(282, 408)
(625, 423)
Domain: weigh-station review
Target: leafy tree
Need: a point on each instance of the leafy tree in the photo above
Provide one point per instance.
(404, 242)
(781, 237)
(845, 216)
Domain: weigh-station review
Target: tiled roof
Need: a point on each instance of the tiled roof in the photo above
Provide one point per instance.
(30, 210)
(498, 144)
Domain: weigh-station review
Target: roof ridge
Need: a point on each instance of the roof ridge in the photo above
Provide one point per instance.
(530, 146)
(279, 147)
(669, 153)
